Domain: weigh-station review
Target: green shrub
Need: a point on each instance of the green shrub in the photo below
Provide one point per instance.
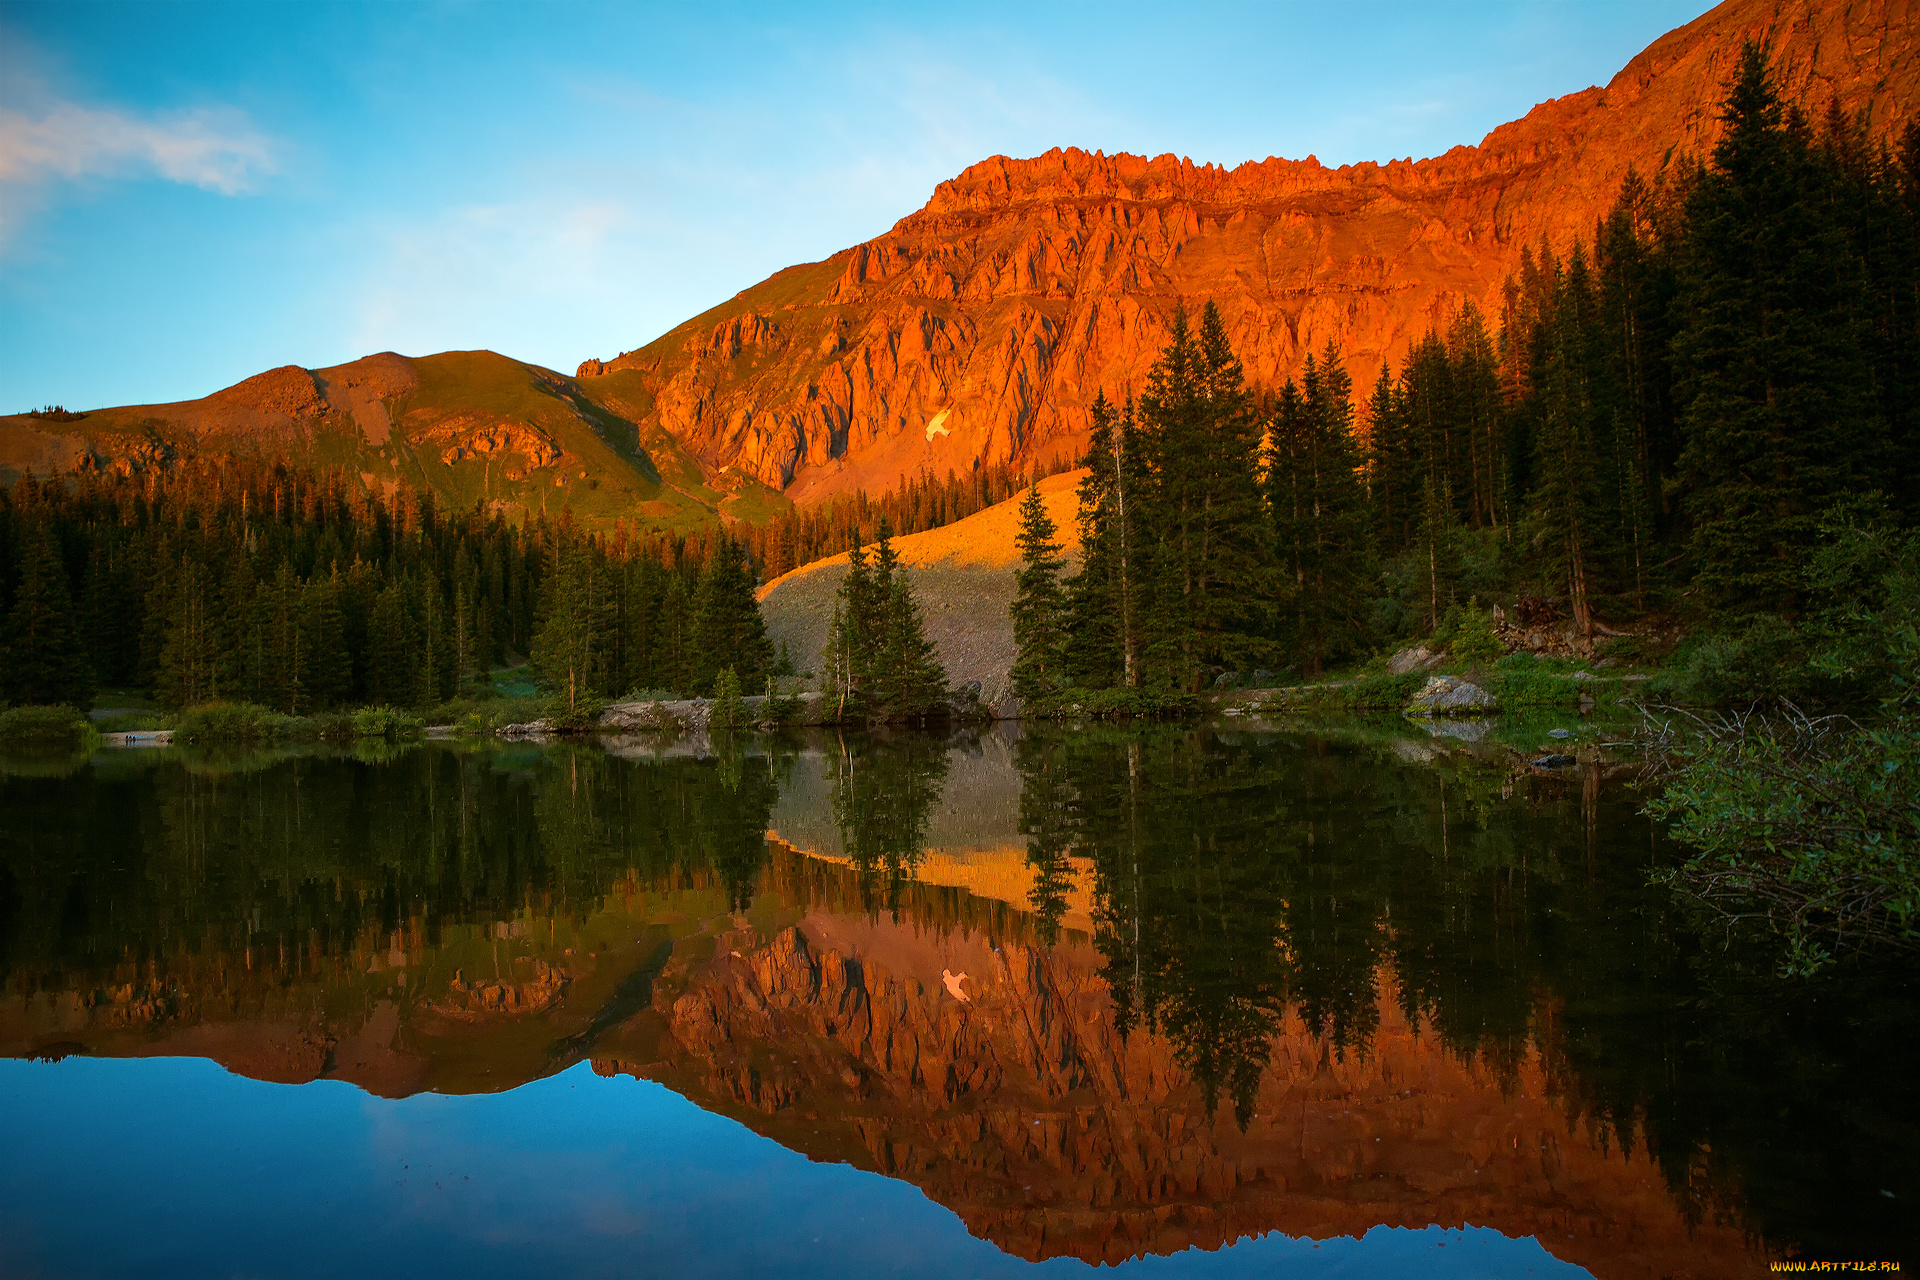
(1474, 643)
(384, 722)
(46, 727)
(224, 722)
(479, 716)
(582, 717)
(1364, 693)
(1114, 704)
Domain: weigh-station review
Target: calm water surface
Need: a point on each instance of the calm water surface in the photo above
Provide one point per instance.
(1356, 1002)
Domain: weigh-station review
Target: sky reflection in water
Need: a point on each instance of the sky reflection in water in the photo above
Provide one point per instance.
(1224, 987)
(173, 1167)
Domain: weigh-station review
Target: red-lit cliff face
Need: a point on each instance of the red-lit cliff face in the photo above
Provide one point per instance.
(982, 326)
(1024, 1111)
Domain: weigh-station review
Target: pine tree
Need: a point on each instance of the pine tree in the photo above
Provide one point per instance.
(573, 642)
(1209, 603)
(1105, 600)
(673, 638)
(287, 684)
(727, 627)
(879, 662)
(915, 683)
(393, 674)
(729, 710)
(1318, 511)
(329, 661)
(42, 657)
(1039, 606)
(1771, 354)
(190, 658)
(856, 636)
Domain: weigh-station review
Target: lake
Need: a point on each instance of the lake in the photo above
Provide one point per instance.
(1347, 1000)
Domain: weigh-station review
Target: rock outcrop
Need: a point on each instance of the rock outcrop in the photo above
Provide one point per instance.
(1025, 1111)
(982, 326)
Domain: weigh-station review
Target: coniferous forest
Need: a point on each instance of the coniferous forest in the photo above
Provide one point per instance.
(1704, 413)
(300, 591)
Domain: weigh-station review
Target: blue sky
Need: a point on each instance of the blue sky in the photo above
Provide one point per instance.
(192, 193)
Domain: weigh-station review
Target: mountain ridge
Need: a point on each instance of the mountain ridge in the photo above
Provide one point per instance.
(979, 328)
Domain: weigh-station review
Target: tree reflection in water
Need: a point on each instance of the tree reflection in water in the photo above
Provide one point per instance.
(1238, 882)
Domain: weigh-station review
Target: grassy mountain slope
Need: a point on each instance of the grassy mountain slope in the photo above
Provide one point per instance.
(472, 426)
(961, 573)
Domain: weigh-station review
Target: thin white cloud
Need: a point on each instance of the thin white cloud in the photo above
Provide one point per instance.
(215, 150)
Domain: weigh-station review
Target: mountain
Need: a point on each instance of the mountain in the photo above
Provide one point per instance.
(982, 326)
(472, 426)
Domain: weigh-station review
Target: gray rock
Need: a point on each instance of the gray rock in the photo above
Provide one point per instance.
(1475, 730)
(1418, 658)
(1449, 696)
(1559, 733)
(1555, 762)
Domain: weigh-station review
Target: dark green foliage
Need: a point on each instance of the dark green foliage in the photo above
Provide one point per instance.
(1039, 604)
(1473, 640)
(1772, 352)
(294, 589)
(727, 628)
(879, 662)
(43, 657)
(43, 726)
(1319, 515)
(729, 710)
(1106, 600)
(1211, 577)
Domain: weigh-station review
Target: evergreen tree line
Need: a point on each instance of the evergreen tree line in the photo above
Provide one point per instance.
(878, 662)
(1673, 418)
(924, 502)
(301, 590)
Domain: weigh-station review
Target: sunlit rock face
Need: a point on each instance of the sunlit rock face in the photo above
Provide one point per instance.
(983, 326)
(1026, 1111)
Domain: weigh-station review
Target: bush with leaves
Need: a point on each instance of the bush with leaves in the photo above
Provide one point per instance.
(58, 726)
(230, 722)
(1811, 825)
(384, 722)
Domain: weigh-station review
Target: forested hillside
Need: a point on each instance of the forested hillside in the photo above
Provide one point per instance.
(299, 590)
(1704, 412)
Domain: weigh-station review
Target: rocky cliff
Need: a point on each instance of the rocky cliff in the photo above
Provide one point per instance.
(1024, 1110)
(982, 326)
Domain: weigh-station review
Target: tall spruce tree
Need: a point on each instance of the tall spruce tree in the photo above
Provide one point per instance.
(1770, 352)
(1209, 604)
(728, 630)
(573, 643)
(879, 662)
(42, 656)
(190, 658)
(1318, 510)
(1105, 600)
(1039, 605)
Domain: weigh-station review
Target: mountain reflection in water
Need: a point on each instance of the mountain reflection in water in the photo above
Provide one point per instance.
(1220, 985)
